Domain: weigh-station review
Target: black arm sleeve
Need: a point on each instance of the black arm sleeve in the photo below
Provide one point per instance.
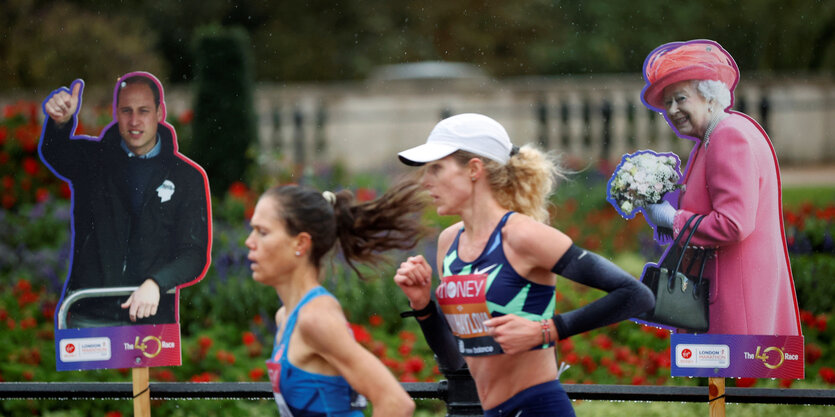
(626, 297)
(440, 339)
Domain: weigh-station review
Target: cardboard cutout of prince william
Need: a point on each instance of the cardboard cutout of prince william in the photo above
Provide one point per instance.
(141, 223)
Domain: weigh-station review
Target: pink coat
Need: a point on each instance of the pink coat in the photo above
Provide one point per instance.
(734, 179)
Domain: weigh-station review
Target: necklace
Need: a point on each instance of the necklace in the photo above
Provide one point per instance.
(714, 120)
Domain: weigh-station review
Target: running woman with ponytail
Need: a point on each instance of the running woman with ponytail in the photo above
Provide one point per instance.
(317, 369)
(497, 266)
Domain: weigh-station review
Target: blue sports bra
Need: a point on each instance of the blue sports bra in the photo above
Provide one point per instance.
(472, 292)
(299, 393)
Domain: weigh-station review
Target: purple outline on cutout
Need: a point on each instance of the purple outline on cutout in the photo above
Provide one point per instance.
(116, 333)
(743, 340)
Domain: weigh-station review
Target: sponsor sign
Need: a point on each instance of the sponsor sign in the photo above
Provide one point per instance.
(118, 347)
(737, 356)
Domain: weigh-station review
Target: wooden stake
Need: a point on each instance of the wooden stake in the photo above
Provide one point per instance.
(716, 392)
(141, 393)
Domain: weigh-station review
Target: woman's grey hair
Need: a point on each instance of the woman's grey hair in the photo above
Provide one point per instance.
(715, 90)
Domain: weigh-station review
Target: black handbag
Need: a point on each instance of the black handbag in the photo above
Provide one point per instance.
(681, 295)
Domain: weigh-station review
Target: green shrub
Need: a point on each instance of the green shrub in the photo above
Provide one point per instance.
(224, 124)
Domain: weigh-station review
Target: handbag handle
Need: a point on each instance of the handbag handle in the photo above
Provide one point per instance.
(699, 218)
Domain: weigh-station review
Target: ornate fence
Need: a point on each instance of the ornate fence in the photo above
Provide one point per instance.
(588, 118)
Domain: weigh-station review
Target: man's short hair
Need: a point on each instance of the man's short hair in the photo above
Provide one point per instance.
(140, 79)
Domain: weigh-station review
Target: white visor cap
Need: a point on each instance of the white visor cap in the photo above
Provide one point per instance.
(469, 132)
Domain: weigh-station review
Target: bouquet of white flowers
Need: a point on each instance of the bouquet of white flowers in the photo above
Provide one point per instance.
(642, 178)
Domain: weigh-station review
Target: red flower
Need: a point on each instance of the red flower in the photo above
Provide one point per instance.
(23, 285)
(821, 322)
(361, 335)
(375, 320)
(566, 345)
(365, 194)
(204, 377)
(661, 333)
(248, 338)
(603, 341)
(408, 377)
(66, 191)
(622, 353)
(828, 374)
(224, 356)
(813, 352)
(571, 358)
(4, 133)
(378, 348)
(30, 165)
(27, 137)
(746, 382)
(639, 380)
(27, 375)
(27, 298)
(48, 309)
(28, 323)
(786, 383)
(413, 364)
(807, 318)
(615, 370)
(239, 190)
(9, 201)
(165, 375)
(588, 363)
(205, 342)
(392, 364)
(113, 414)
(256, 374)
(407, 336)
(41, 194)
(405, 349)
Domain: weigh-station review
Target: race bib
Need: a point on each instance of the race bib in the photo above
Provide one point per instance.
(463, 301)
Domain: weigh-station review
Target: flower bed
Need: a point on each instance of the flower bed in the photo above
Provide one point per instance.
(225, 339)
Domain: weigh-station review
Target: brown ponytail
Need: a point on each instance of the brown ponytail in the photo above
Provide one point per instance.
(364, 230)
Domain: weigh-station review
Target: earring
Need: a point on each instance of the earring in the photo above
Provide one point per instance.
(472, 179)
(298, 253)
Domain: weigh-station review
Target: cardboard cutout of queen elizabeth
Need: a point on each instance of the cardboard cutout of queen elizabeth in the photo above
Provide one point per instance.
(141, 223)
(732, 178)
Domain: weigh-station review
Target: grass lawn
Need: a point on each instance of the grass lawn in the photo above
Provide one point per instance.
(819, 196)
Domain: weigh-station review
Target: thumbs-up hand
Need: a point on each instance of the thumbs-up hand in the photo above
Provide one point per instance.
(63, 103)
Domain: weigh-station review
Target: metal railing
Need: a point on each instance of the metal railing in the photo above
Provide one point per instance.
(457, 392)
(79, 295)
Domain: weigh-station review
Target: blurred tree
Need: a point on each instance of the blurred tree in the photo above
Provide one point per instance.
(319, 40)
(50, 44)
(224, 117)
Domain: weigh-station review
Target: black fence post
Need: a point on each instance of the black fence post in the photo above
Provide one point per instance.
(298, 138)
(542, 118)
(277, 139)
(460, 394)
(606, 112)
(765, 106)
(320, 141)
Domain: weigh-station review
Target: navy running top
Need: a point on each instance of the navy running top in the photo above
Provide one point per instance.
(472, 292)
(299, 393)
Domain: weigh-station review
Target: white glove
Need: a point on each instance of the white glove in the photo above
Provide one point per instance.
(661, 214)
